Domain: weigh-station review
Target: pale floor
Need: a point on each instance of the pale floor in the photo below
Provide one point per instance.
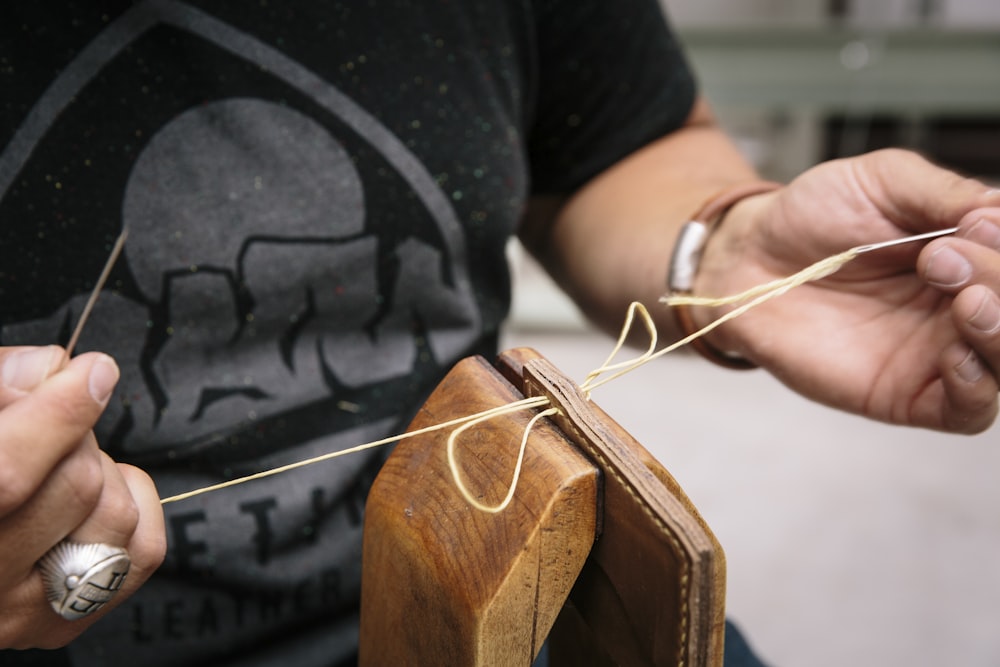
(848, 542)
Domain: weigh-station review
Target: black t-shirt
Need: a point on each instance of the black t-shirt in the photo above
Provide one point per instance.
(318, 196)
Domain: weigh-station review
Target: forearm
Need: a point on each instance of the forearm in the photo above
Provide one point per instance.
(610, 243)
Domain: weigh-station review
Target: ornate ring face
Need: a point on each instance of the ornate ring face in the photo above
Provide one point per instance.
(80, 578)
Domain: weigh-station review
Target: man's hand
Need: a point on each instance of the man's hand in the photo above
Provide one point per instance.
(907, 335)
(56, 483)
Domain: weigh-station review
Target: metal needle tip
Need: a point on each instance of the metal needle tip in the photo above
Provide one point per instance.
(906, 239)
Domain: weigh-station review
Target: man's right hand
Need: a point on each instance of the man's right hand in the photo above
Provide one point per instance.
(56, 483)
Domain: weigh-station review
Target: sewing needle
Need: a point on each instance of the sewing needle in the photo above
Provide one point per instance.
(907, 239)
(94, 293)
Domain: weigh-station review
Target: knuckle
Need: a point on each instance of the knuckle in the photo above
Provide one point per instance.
(84, 479)
(124, 511)
(79, 473)
(73, 409)
(149, 554)
(15, 487)
(148, 546)
(893, 153)
(11, 634)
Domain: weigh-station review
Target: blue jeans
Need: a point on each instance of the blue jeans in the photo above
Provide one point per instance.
(738, 651)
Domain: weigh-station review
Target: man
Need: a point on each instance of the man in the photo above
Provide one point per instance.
(318, 196)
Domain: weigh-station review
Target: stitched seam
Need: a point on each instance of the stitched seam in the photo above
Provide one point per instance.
(664, 529)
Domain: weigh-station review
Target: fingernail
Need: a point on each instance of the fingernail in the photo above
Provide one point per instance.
(947, 268)
(103, 378)
(27, 369)
(970, 369)
(987, 316)
(984, 232)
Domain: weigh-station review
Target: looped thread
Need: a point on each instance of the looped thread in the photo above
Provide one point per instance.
(748, 299)
(456, 473)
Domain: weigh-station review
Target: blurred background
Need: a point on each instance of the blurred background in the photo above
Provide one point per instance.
(848, 542)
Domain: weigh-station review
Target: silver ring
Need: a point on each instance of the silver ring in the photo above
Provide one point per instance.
(80, 578)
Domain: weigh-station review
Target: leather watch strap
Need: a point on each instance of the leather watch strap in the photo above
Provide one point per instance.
(687, 256)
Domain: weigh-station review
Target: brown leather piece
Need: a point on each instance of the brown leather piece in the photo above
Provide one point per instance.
(653, 589)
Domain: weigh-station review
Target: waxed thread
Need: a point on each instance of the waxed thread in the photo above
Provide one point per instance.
(456, 471)
(480, 416)
(820, 269)
(748, 299)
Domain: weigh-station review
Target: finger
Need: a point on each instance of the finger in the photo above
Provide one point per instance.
(148, 545)
(22, 369)
(970, 391)
(982, 226)
(115, 515)
(61, 503)
(32, 622)
(968, 268)
(918, 195)
(976, 313)
(129, 515)
(952, 264)
(47, 424)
